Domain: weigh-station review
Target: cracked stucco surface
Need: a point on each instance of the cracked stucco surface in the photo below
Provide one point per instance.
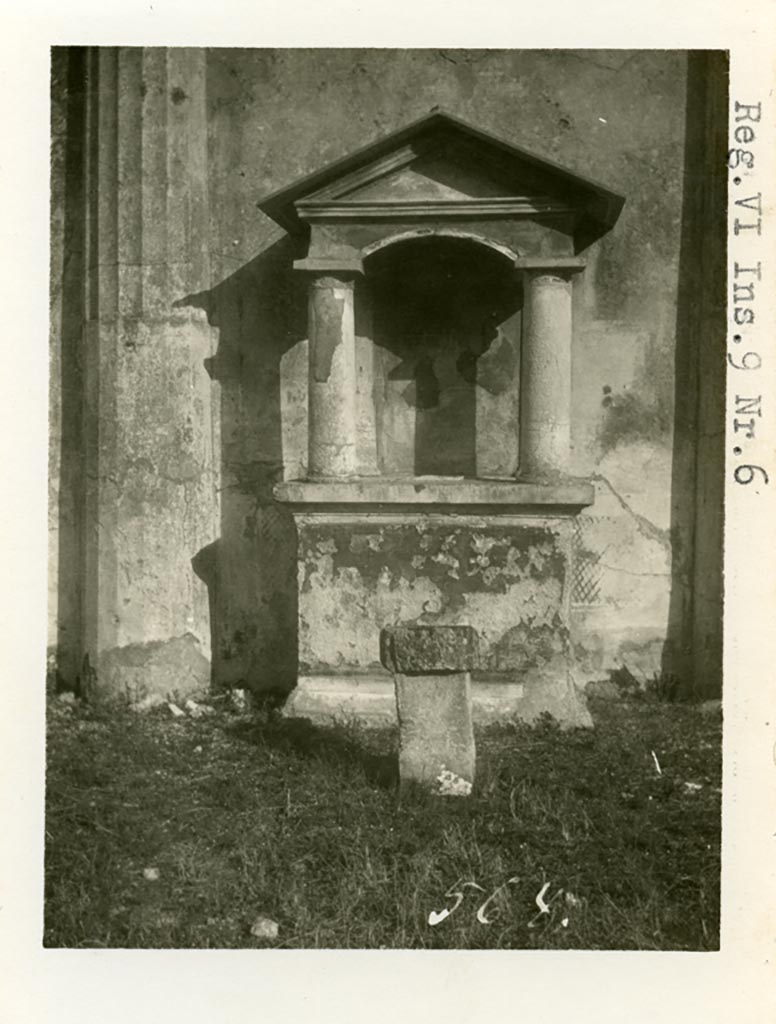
(507, 582)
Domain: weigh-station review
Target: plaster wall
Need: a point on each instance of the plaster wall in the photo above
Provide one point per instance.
(506, 579)
(268, 117)
(617, 117)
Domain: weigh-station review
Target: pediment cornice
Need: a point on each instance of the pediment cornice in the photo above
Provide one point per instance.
(442, 168)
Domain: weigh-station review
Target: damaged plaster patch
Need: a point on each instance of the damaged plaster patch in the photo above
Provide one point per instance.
(450, 784)
(530, 644)
(496, 367)
(326, 327)
(160, 667)
(646, 526)
(630, 417)
(507, 584)
(362, 542)
(457, 559)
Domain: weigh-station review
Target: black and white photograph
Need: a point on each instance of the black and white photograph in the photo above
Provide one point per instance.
(386, 501)
(389, 503)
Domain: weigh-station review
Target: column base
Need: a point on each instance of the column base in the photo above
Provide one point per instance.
(370, 700)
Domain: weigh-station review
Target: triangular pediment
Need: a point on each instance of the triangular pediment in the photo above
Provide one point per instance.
(418, 183)
(429, 176)
(444, 163)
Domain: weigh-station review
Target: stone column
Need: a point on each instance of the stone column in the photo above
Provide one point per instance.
(150, 427)
(332, 369)
(545, 393)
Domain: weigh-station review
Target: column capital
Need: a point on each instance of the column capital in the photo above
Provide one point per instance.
(331, 266)
(560, 266)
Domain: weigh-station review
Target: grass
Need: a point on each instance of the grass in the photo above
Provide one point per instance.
(245, 817)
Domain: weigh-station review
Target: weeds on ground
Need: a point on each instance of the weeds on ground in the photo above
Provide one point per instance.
(164, 832)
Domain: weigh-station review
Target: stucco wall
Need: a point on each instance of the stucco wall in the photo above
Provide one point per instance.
(616, 117)
(272, 116)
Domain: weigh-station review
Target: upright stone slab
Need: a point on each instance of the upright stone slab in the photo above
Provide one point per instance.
(431, 667)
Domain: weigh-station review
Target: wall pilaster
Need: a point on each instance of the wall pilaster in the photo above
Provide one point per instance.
(150, 422)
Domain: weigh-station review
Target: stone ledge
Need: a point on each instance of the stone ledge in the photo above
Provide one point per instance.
(424, 650)
(569, 264)
(566, 496)
(370, 699)
(330, 265)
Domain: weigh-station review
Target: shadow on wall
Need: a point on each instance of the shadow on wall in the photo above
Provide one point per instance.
(69, 76)
(693, 651)
(260, 312)
(446, 319)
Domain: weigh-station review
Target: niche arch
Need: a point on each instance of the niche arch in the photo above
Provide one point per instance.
(512, 255)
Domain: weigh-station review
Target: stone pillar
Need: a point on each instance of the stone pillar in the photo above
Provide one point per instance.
(150, 430)
(545, 392)
(431, 670)
(332, 370)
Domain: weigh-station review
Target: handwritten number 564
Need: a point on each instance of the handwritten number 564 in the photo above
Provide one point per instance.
(436, 917)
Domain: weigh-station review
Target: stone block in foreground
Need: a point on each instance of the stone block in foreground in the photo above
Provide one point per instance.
(430, 665)
(424, 650)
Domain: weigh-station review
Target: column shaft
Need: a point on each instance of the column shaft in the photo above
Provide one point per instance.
(545, 399)
(332, 379)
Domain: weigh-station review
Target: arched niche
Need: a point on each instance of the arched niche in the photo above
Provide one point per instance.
(446, 316)
(387, 241)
